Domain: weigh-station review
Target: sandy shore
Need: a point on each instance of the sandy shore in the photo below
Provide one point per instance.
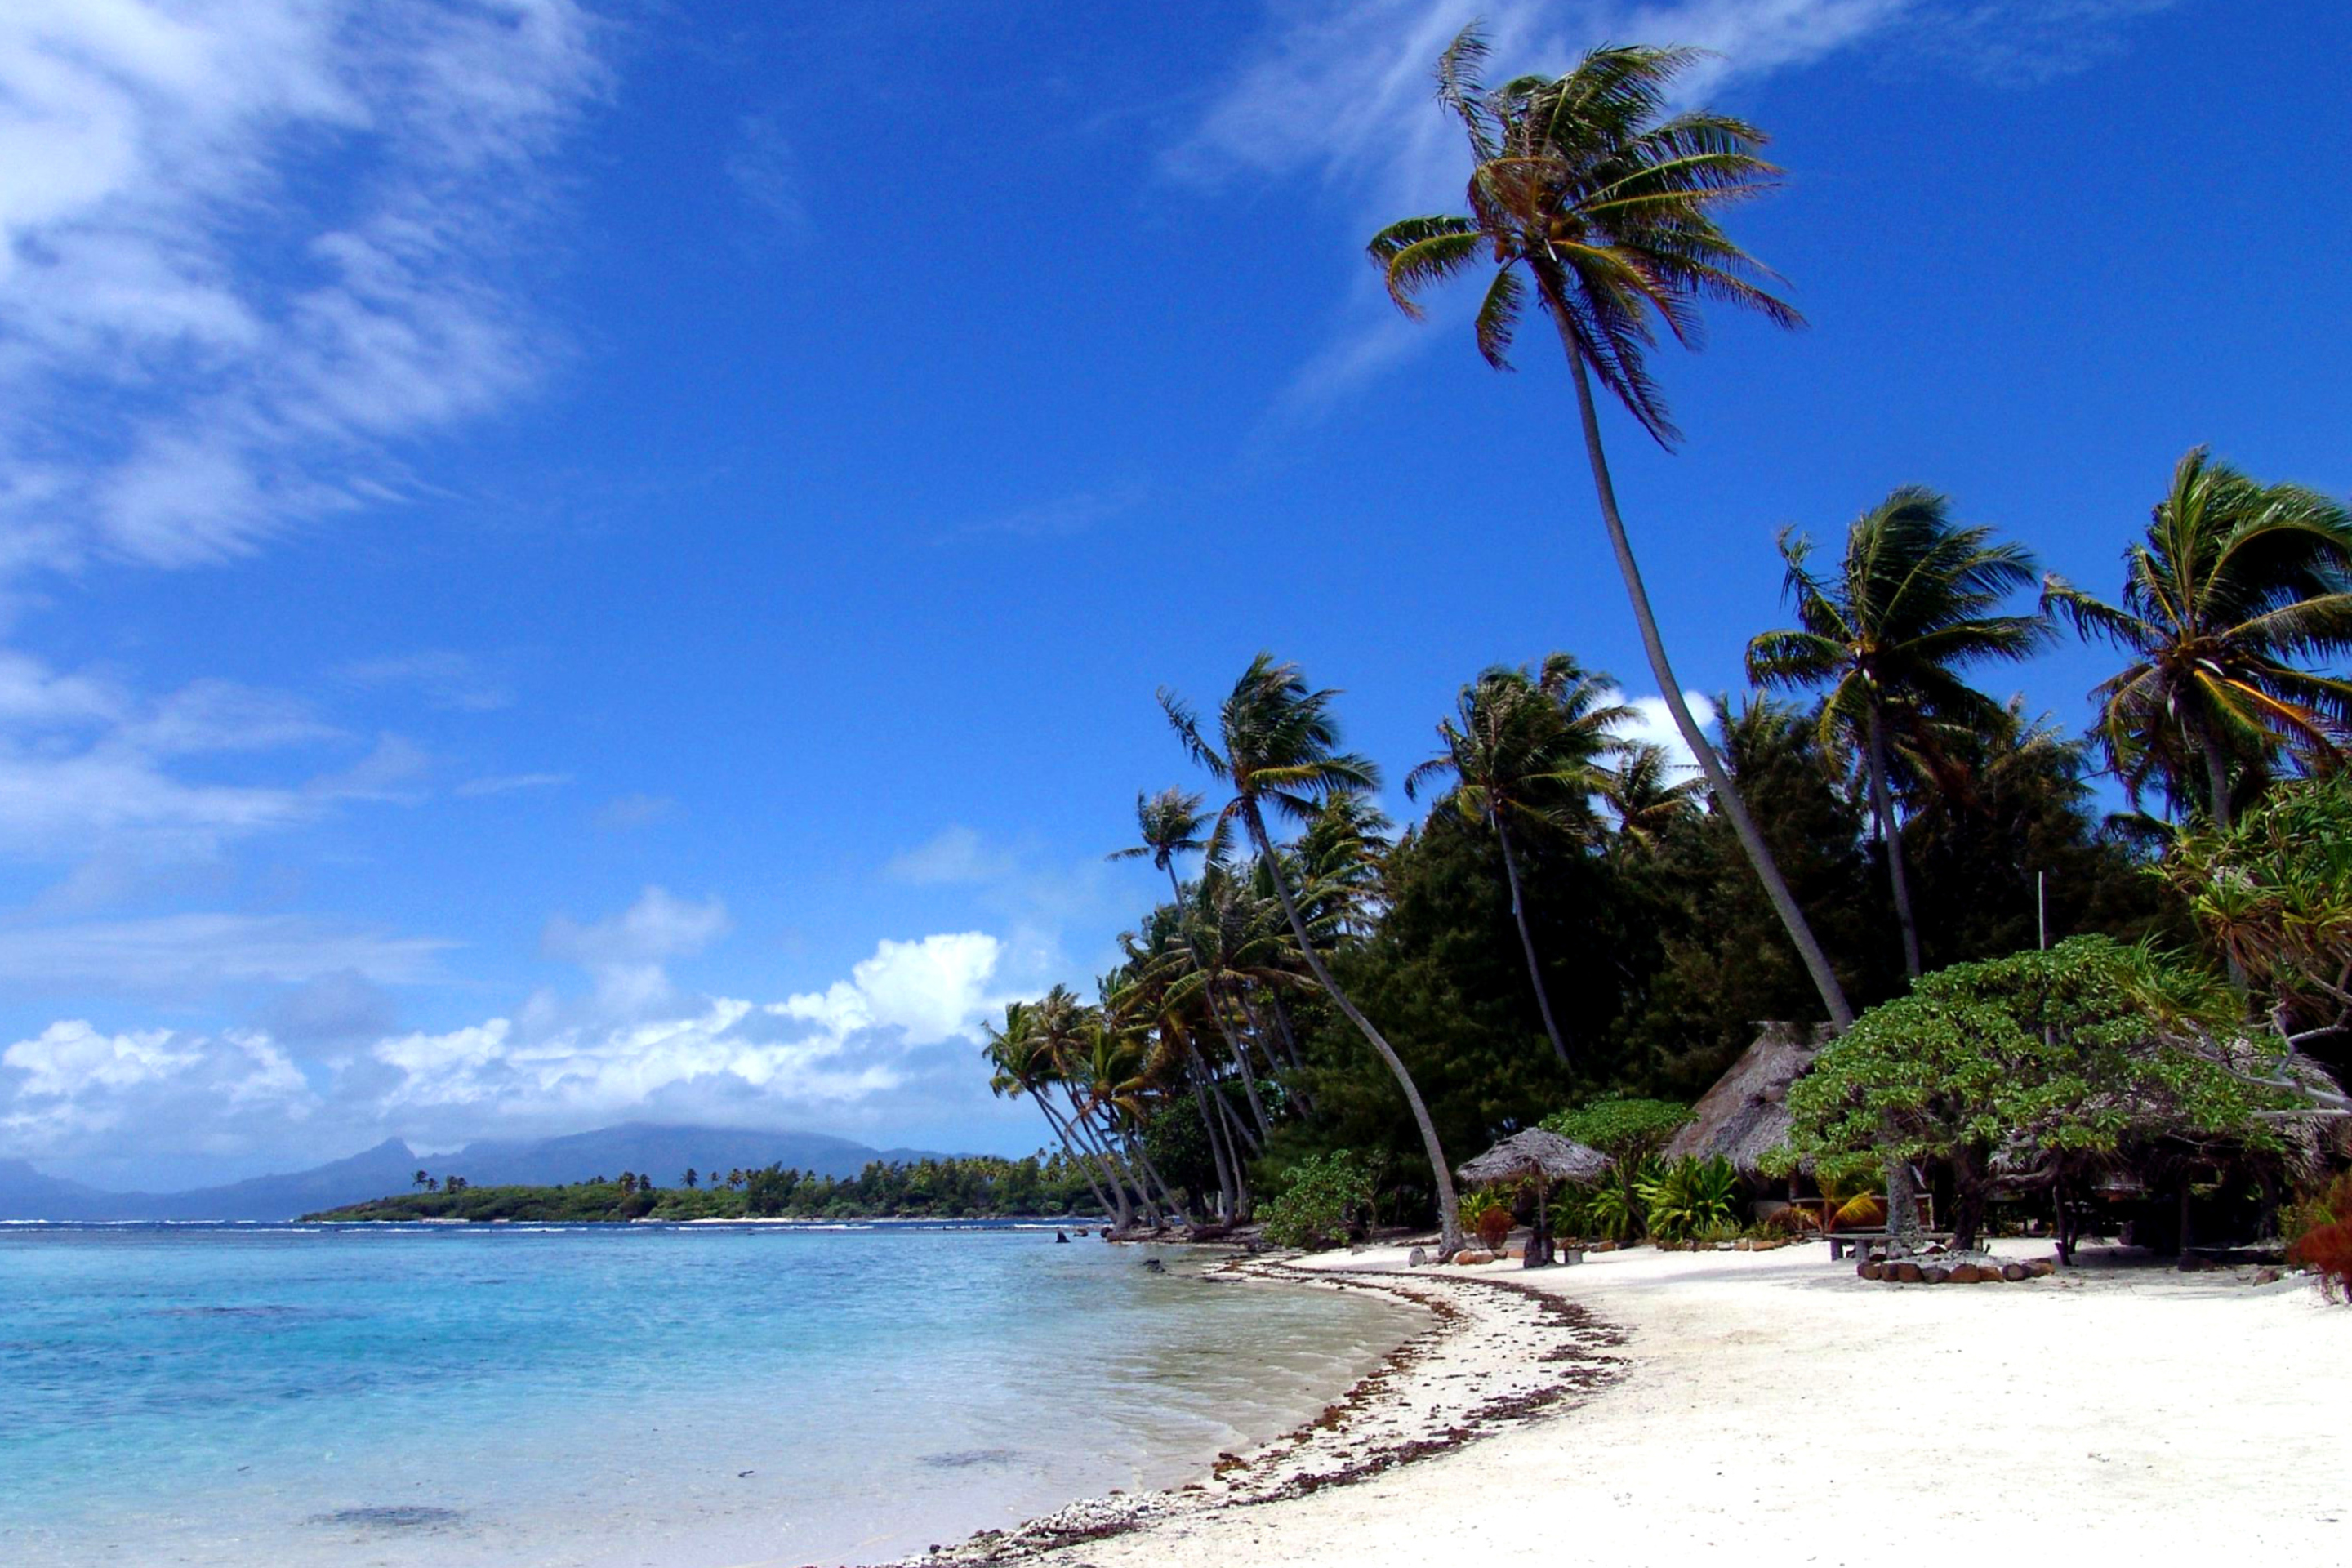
(1649, 1407)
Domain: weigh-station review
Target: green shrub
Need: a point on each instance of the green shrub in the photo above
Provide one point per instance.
(1324, 1199)
(1486, 1216)
(1692, 1199)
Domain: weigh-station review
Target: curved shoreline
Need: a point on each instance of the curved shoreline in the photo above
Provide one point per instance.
(1495, 1356)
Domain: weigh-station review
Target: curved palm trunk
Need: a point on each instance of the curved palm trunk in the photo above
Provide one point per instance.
(1219, 1155)
(1266, 1043)
(1142, 1157)
(1449, 1211)
(1527, 941)
(1890, 838)
(1718, 778)
(1217, 1008)
(1078, 1156)
(1122, 1211)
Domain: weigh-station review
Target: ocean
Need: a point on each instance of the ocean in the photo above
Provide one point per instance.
(685, 1397)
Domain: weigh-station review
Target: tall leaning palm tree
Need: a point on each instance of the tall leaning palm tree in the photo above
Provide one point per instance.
(1915, 600)
(2237, 589)
(1277, 747)
(1586, 192)
(1518, 766)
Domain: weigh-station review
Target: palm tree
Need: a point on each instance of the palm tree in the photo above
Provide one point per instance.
(1280, 748)
(1171, 823)
(1585, 187)
(1914, 601)
(1513, 759)
(1016, 1051)
(2238, 588)
(1642, 798)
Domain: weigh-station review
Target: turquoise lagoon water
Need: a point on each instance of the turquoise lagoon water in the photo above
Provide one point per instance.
(687, 1396)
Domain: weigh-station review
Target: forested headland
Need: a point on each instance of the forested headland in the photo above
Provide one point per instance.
(972, 1187)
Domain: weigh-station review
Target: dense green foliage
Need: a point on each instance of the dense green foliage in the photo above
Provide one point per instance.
(2274, 893)
(2036, 1057)
(1571, 925)
(1325, 1200)
(1690, 1199)
(978, 1187)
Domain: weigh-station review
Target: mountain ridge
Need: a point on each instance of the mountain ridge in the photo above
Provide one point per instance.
(662, 1151)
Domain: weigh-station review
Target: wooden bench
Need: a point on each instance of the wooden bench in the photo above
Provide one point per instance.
(1860, 1242)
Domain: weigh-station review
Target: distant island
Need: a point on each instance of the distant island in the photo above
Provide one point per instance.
(974, 1187)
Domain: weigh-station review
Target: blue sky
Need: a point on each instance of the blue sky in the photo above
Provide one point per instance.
(569, 561)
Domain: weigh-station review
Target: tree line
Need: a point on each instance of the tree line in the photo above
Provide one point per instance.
(1573, 919)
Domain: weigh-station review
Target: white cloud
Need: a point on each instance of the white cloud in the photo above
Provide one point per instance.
(628, 813)
(1652, 724)
(73, 1089)
(928, 990)
(252, 242)
(953, 854)
(444, 677)
(190, 954)
(658, 926)
(897, 1030)
(508, 783)
(766, 172)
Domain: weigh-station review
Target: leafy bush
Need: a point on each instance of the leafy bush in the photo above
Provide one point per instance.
(1485, 1215)
(1615, 1210)
(2324, 1243)
(1627, 1130)
(1324, 1199)
(2058, 1053)
(1630, 1133)
(1691, 1199)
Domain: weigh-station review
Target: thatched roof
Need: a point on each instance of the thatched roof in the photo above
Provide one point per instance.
(2315, 1140)
(1535, 1153)
(1745, 1115)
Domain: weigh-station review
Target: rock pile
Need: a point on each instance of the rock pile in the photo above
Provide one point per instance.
(1955, 1268)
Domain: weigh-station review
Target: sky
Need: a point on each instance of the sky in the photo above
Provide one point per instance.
(568, 561)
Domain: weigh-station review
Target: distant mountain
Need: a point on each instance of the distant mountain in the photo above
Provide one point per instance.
(25, 1194)
(662, 1153)
(659, 1151)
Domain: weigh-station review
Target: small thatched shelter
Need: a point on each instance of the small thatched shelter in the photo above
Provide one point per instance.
(1545, 1158)
(1534, 1154)
(1745, 1115)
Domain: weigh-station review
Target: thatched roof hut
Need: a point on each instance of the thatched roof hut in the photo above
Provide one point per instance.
(1532, 1153)
(1745, 1115)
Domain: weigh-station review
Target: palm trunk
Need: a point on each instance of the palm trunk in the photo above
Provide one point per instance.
(1218, 1155)
(1890, 838)
(1293, 1089)
(1078, 1156)
(1217, 1007)
(1527, 941)
(1718, 777)
(1449, 1214)
(2217, 781)
(1122, 1211)
(1141, 1158)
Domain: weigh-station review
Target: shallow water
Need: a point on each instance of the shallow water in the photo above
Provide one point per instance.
(617, 1395)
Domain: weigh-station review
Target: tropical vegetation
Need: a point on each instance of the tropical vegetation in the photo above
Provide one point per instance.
(1320, 1009)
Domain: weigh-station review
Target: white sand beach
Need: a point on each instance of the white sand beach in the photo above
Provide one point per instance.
(1774, 1407)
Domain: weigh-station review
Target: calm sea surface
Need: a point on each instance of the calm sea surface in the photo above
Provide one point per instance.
(687, 1396)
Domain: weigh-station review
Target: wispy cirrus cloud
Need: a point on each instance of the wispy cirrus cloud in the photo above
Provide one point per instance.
(254, 246)
(444, 677)
(191, 955)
